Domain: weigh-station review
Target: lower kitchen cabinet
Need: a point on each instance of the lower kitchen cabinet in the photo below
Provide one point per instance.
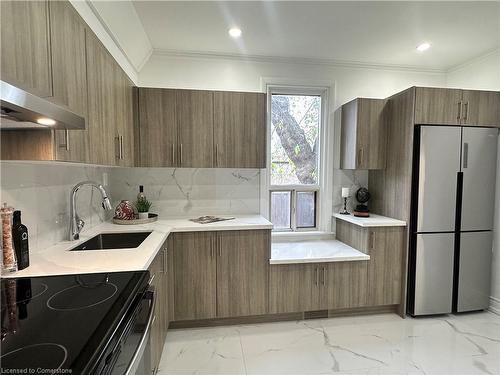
(385, 268)
(345, 284)
(159, 281)
(293, 288)
(242, 272)
(319, 286)
(195, 278)
(220, 274)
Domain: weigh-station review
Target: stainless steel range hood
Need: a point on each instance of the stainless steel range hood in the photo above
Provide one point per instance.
(22, 110)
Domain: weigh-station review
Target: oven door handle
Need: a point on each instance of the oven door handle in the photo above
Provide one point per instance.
(132, 368)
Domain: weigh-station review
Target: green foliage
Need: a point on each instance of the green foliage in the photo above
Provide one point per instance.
(143, 205)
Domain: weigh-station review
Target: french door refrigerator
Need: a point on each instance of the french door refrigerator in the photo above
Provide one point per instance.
(453, 193)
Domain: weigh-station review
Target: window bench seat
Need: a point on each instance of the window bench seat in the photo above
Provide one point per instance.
(314, 251)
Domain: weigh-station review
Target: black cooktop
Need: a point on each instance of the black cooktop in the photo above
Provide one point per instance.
(62, 323)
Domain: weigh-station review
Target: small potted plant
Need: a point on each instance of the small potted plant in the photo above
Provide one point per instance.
(143, 206)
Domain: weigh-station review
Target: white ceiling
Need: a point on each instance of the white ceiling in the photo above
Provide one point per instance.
(363, 32)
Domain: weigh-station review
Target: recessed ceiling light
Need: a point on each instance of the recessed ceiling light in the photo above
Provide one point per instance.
(46, 121)
(235, 32)
(423, 47)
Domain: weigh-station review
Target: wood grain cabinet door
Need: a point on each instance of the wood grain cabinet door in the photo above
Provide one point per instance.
(240, 129)
(194, 111)
(158, 128)
(363, 134)
(243, 272)
(481, 108)
(194, 276)
(124, 133)
(67, 38)
(293, 288)
(436, 106)
(345, 284)
(385, 266)
(156, 276)
(101, 121)
(371, 135)
(25, 46)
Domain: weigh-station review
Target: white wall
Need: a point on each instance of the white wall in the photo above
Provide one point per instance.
(345, 83)
(484, 73)
(233, 74)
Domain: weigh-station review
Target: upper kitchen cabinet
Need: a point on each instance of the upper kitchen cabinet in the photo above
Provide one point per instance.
(437, 106)
(104, 144)
(240, 130)
(194, 111)
(68, 53)
(481, 108)
(363, 134)
(67, 44)
(124, 122)
(25, 60)
(157, 128)
(201, 129)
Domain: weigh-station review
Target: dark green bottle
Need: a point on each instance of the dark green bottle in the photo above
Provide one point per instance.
(20, 239)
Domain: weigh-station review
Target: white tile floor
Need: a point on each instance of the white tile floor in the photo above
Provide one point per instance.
(375, 344)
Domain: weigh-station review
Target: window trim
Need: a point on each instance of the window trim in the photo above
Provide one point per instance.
(321, 186)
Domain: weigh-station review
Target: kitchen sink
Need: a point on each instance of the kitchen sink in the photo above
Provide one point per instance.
(104, 241)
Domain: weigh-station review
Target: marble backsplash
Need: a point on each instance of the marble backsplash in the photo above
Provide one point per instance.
(41, 190)
(190, 192)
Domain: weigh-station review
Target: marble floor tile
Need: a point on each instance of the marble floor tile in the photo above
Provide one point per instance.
(377, 344)
(202, 352)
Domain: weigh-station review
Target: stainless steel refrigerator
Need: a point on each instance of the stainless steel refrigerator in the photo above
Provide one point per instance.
(453, 194)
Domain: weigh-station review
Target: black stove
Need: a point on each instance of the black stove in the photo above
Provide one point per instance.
(63, 324)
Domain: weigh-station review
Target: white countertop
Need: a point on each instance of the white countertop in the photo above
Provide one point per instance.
(372, 221)
(58, 260)
(318, 251)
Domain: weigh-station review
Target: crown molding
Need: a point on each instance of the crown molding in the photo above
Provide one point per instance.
(135, 69)
(293, 60)
(474, 60)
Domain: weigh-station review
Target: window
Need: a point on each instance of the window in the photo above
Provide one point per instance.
(295, 119)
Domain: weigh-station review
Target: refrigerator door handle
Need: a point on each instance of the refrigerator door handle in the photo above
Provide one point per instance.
(465, 156)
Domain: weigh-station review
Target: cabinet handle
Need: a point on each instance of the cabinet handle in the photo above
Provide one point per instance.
(316, 276)
(173, 153)
(219, 245)
(360, 156)
(117, 147)
(164, 260)
(216, 154)
(180, 155)
(372, 241)
(466, 155)
(65, 145)
(121, 147)
(466, 116)
(324, 275)
(459, 115)
(212, 247)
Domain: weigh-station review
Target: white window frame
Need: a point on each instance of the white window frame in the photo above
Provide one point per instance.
(320, 186)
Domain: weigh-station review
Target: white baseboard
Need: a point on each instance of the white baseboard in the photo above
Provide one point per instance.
(494, 305)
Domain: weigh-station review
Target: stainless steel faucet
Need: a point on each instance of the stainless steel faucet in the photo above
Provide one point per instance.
(76, 224)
